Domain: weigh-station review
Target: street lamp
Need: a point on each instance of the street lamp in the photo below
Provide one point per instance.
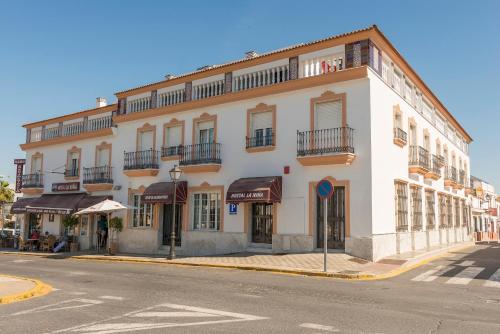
(175, 174)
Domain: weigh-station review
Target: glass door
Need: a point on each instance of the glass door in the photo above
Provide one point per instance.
(262, 223)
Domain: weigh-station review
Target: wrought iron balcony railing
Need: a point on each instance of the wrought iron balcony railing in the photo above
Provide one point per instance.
(197, 154)
(451, 174)
(399, 134)
(419, 157)
(98, 175)
(171, 151)
(327, 141)
(148, 159)
(260, 141)
(32, 180)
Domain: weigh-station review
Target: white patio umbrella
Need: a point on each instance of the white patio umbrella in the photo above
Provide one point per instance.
(107, 206)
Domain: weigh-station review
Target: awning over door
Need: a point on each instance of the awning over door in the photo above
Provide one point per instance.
(265, 189)
(62, 204)
(163, 192)
(19, 206)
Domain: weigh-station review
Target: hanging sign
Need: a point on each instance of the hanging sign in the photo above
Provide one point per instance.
(19, 173)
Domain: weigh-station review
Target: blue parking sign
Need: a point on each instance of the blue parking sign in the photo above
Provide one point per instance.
(233, 208)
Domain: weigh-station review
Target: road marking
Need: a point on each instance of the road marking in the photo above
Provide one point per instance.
(437, 274)
(465, 276)
(319, 327)
(6, 279)
(105, 327)
(111, 297)
(58, 306)
(467, 263)
(77, 293)
(173, 314)
(427, 274)
(494, 280)
(21, 261)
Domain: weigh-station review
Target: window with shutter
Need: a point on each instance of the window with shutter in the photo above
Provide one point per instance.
(173, 136)
(328, 115)
(146, 140)
(103, 157)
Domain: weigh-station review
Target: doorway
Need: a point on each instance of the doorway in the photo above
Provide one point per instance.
(336, 220)
(167, 224)
(262, 223)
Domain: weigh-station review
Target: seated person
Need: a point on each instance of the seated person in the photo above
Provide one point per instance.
(59, 245)
(35, 235)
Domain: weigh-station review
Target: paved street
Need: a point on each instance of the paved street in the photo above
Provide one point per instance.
(457, 294)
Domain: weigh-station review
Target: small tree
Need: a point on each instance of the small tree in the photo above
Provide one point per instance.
(69, 222)
(116, 225)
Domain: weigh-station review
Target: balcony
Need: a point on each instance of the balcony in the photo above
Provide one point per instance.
(267, 77)
(400, 137)
(141, 163)
(450, 177)
(57, 134)
(435, 170)
(325, 147)
(32, 184)
(260, 143)
(98, 178)
(171, 152)
(72, 174)
(461, 179)
(200, 158)
(419, 160)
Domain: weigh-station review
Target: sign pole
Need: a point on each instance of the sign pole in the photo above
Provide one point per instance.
(325, 238)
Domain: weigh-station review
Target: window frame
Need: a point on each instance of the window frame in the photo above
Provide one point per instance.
(261, 108)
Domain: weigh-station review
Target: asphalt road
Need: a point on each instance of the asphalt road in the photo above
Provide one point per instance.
(457, 294)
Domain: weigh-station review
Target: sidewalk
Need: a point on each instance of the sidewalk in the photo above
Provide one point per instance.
(339, 265)
(14, 289)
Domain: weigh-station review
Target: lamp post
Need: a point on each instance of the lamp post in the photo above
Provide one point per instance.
(175, 174)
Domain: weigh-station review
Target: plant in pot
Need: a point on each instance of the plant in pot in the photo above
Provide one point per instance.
(115, 226)
(69, 223)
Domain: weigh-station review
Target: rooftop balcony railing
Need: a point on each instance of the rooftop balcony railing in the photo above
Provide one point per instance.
(210, 89)
(70, 129)
(32, 180)
(326, 141)
(197, 154)
(266, 77)
(148, 159)
(419, 158)
(98, 175)
(321, 65)
(138, 105)
(171, 98)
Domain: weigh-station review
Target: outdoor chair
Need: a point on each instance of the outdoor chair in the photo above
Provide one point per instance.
(48, 243)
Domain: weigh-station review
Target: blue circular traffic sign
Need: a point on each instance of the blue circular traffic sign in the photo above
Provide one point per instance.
(324, 189)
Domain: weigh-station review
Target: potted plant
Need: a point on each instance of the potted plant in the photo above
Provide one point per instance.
(70, 223)
(115, 226)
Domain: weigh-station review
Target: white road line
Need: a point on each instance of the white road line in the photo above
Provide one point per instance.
(428, 273)
(111, 297)
(319, 327)
(77, 293)
(494, 280)
(210, 311)
(173, 314)
(440, 272)
(465, 276)
(467, 263)
(21, 261)
(58, 306)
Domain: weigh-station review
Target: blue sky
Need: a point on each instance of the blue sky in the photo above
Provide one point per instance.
(56, 57)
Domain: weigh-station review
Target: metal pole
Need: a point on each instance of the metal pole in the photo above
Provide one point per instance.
(172, 235)
(325, 238)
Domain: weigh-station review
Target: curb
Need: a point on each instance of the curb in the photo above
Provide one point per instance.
(39, 290)
(298, 272)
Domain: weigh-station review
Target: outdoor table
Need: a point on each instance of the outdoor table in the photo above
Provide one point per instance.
(32, 242)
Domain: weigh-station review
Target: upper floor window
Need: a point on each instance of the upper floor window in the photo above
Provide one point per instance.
(103, 156)
(328, 115)
(261, 124)
(397, 81)
(73, 163)
(205, 132)
(36, 164)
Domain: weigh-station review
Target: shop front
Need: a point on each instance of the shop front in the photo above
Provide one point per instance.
(43, 216)
(161, 194)
(259, 197)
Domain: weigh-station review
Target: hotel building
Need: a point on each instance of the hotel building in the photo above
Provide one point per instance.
(253, 138)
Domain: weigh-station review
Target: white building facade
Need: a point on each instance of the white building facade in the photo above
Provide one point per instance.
(253, 138)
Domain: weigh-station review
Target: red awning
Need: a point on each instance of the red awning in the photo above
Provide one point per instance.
(163, 192)
(62, 204)
(265, 189)
(19, 206)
